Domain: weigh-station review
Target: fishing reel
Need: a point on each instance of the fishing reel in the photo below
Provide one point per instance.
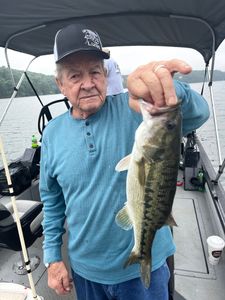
(193, 173)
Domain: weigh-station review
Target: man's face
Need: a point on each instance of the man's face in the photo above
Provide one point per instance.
(82, 80)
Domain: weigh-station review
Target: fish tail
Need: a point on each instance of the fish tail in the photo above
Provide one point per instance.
(145, 267)
(146, 273)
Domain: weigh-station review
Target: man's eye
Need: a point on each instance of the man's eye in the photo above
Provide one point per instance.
(74, 76)
(96, 72)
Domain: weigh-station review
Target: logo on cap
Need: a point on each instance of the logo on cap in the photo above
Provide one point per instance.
(92, 38)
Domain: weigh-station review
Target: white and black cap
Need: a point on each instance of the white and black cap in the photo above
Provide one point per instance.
(77, 38)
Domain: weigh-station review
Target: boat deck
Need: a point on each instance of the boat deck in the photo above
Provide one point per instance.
(195, 278)
(7, 274)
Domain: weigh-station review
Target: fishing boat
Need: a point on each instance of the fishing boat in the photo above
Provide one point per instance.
(29, 27)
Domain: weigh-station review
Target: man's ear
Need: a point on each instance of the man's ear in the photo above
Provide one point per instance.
(105, 71)
(60, 85)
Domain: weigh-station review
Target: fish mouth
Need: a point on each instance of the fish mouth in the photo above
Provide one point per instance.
(156, 111)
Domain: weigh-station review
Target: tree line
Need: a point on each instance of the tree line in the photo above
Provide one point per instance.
(193, 77)
(198, 76)
(45, 84)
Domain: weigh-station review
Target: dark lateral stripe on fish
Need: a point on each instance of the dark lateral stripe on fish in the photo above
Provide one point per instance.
(160, 206)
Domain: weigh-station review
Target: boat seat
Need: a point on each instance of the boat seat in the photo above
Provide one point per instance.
(30, 213)
(31, 216)
(45, 114)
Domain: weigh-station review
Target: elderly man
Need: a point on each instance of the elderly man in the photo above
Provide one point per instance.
(79, 184)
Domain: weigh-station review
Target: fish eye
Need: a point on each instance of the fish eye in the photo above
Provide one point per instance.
(170, 125)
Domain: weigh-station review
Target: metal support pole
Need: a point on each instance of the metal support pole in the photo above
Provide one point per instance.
(215, 122)
(18, 224)
(15, 92)
(220, 172)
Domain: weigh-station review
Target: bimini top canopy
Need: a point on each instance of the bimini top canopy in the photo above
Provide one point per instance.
(29, 26)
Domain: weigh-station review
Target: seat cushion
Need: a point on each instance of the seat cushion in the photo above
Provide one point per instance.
(4, 213)
(23, 206)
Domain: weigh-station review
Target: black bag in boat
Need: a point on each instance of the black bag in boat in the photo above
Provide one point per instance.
(20, 177)
(21, 171)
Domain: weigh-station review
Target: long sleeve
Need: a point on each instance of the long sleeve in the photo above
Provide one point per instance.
(195, 108)
(54, 210)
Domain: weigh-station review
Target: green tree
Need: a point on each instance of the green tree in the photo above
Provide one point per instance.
(43, 84)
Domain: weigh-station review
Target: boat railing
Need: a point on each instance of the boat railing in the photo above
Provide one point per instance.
(215, 188)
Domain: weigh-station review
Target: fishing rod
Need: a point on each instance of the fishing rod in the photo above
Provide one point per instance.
(18, 224)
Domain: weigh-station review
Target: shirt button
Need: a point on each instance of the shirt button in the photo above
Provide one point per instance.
(91, 146)
(87, 123)
(88, 133)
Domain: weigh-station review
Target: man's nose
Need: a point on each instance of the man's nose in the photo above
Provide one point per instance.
(87, 82)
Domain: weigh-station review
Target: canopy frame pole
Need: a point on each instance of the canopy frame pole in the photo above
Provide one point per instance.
(16, 89)
(213, 39)
(7, 45)
(215, 121)
(210, 82)
(18, 223)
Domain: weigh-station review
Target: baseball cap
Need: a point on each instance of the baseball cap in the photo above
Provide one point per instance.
(77, 38)
(106, 50)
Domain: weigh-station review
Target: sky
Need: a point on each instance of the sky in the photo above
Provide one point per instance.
(128, 58)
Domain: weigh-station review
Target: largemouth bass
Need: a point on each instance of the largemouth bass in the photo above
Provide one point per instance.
(151, 181)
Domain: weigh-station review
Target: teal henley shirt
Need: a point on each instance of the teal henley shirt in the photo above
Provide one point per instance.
(79, 184)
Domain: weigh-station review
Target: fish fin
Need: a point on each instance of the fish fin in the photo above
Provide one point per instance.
(123, 219)
(145, 267)
(132, 259)
(123, 164)
(170, 221)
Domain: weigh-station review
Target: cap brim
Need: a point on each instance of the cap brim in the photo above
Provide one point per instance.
(98, 53)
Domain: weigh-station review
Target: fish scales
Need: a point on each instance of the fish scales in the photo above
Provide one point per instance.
(151, 181)
(157, 202)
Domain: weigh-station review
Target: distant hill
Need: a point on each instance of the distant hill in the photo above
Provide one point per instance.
(198, 76)
(193, 77)
(45, 84)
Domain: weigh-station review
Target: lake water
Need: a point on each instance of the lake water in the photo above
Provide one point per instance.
(20, 123)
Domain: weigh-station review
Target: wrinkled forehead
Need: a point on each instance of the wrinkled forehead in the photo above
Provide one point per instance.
(80, 58)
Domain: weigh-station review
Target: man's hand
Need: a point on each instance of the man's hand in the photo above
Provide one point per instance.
(153, 82)
(58, 278)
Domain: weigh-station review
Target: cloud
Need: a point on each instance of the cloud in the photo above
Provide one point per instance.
(130, 59)
(135, 56)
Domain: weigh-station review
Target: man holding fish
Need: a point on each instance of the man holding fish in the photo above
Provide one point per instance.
(83, 149)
